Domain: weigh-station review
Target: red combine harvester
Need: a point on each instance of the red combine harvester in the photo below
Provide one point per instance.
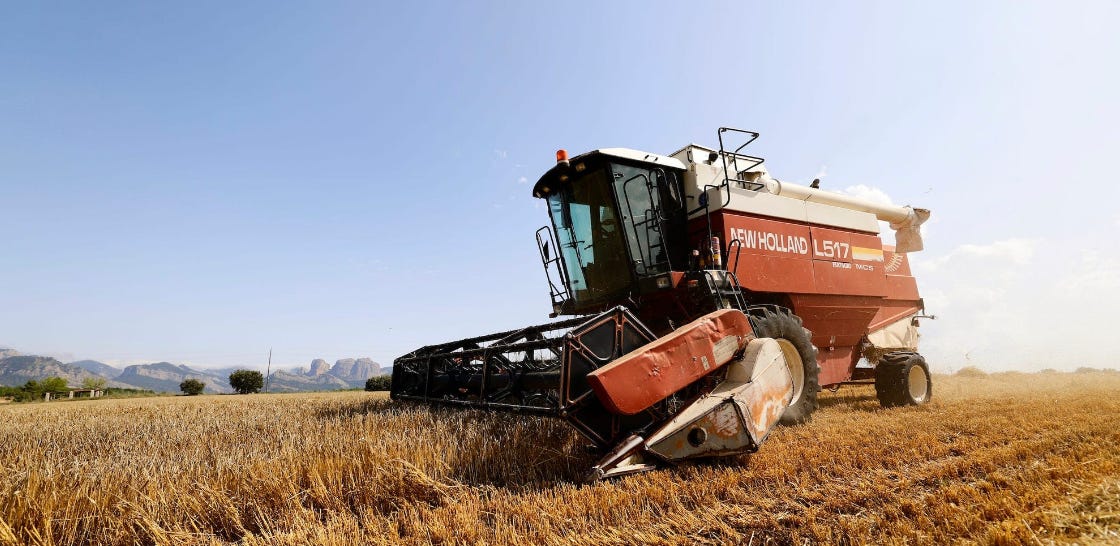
(709, 302)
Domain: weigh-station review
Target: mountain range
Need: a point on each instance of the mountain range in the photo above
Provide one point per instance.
(347, 373)
(98, 368)
(17, 370)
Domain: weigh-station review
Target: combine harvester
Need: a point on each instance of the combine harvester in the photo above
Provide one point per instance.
(709, 302)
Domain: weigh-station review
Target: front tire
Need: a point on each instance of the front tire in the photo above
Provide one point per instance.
(903, 379)
(796, 343)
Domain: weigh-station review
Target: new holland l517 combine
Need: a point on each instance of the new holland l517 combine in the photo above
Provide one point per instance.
(709, 302)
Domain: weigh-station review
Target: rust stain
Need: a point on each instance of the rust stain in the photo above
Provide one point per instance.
(725, 421)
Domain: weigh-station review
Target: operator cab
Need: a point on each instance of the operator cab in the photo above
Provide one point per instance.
(618, 217)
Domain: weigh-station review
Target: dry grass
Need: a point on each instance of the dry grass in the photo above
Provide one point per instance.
(971, 371)
(996, 459)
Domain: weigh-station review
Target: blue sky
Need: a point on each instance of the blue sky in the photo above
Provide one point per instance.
(199, 183)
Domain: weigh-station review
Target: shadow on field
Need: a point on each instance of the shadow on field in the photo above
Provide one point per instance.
(482, 448)
(478, 447)
(514, 452)
(849, 399)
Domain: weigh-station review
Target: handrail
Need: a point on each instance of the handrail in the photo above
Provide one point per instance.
(558, 295)
(736, 156)
(653, 218)
(738, 244)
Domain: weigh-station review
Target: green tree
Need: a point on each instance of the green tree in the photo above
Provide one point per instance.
(54, 384)
(379, 383)
(33, 390)
(14, 393)
(246, 381)
(94, 383)
(193, 387)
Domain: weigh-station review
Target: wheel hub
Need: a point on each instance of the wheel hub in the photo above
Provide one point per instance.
(796, 368)
(918, 384)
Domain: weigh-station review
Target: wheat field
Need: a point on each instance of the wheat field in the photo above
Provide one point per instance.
(999, 459)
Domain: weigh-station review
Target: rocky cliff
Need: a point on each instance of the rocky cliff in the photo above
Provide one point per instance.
(166, 377)
(282, 381)
(318, 367)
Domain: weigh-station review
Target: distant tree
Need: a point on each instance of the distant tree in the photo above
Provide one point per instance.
(14, 393)
(53, 384)
(971, 371)
(192, 387)
(379, 383)
(246, 381)
(94, 383)
(33, 390)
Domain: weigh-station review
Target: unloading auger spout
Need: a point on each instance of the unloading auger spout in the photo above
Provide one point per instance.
(906, 221)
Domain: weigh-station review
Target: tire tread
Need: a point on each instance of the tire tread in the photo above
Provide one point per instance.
(778, 322)
(891, 378)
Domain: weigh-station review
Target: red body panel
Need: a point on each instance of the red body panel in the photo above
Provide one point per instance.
(774, 255)
(647, 375)
(836, 365)
(842, 283)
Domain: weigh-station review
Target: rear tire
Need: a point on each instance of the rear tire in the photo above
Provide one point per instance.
(786, 327)
(902, 379)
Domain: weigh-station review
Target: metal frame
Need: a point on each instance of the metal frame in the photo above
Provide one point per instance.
(514, 370)
(557, 294)
(652, 223)
(592, 345)
(736, 155)
(499, 372)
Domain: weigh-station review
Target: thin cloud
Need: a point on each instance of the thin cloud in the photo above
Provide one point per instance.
(870, 193)
(1018, 304)
(1016, 251)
